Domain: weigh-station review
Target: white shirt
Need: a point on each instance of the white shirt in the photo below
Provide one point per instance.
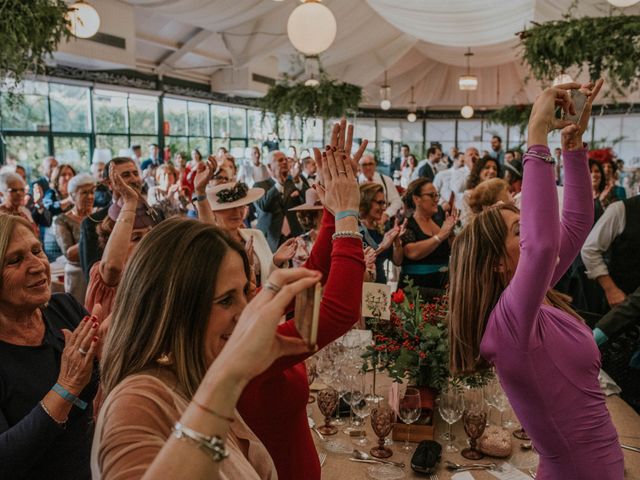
(251, 174)
(392, 196)
(405, 176)
(442, 182)
(609, 226)
(422, 163)
(458, 182)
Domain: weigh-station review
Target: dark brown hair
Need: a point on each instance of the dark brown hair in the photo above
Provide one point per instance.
(474, 176)
(414, 189)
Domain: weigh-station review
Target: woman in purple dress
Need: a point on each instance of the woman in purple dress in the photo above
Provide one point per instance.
(502, 312)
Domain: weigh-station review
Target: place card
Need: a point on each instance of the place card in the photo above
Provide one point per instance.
(509, 472)
(462, 476)
(376, 300)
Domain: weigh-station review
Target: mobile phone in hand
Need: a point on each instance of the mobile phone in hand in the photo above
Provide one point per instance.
(307, 314)
(580, 101)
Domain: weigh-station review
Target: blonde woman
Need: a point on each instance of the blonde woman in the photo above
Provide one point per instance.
(501, 311)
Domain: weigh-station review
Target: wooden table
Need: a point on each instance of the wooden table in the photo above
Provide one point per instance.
(337, 466)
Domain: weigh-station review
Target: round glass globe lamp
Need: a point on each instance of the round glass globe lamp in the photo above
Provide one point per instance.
(311, 28)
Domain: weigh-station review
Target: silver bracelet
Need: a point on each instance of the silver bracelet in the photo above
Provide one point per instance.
(437, 238)
(61, 424)
(213, 446)
(347, 234)
(546, 157)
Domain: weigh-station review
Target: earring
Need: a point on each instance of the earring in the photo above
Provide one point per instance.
(165, 359)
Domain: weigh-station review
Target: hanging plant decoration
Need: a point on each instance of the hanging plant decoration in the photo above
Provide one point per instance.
(329, 99)
(512, 116)
(30, 31)
(606, 45)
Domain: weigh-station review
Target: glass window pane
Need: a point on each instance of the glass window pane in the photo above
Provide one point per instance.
(237, 123)
(177, 144)
(69, 108)
(629, 148)
(201, 143)
(115, 143)
(312, 132)
(389, 130)
(220, 142)
(441, 131)
(144, 142)
(220, 121)
(110, 111)
(175, 113)
(365, 129)
(143, 114)
(268, 125)
(412, 136)
(469, 134)
(29, 150)
(27, 112)
(255, 124)
(74, 151)
(198, 119)
(491, 129)
(238, 150)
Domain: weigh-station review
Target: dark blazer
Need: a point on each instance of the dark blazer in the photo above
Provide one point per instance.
(426, 171)
(89, 250)
(273, 206)
(621, 317)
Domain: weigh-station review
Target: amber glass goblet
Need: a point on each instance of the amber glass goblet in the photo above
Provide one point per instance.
(474, 424)
(382, 420)
(327, 403)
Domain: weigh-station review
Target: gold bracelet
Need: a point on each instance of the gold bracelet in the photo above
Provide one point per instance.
(62, 423)
(212, 412)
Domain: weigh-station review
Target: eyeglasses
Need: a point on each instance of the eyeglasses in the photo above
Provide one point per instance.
(16, 190)
(433, 195)
(367, 164)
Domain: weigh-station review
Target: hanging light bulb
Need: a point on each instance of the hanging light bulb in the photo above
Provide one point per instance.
(468, 81)
(562, 78)
(83, 19)
(311, 27)
(312, 82)
(622, 3)
(466, 111)
(411, 116)
(385, 93)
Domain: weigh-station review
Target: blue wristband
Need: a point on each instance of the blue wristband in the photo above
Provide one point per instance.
(346, 213)
(69, 397)
(599, 336)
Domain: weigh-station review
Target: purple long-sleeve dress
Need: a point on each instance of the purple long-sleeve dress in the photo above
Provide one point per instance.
(547, 361)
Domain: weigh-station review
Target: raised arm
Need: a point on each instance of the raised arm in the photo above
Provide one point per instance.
(577, 209)
(205, 171)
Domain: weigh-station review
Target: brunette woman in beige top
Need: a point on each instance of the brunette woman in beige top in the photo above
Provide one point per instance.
(170, 359)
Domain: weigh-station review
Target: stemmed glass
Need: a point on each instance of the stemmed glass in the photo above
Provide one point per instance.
(362, 410)
(475, 421)
(355, 387)
(327, 403)
(312, 374)
(451, 408)
(495, 397)
(382, 420)
(409, 410)
(340, 382)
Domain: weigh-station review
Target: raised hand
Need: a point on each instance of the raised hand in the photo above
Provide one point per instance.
(341, 191)
(571, 136)
(80, 349)
(204, 173)
(285, 252)
(448, 225)
(122, 189)
(543, 118)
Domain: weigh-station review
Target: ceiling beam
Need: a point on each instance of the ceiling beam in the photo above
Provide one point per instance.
(163, 43)
(198, 36)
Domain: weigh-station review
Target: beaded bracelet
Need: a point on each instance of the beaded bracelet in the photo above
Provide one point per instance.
(61, 424)
(347, 234)
(214, 446)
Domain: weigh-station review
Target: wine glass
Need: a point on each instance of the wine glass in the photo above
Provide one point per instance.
(355, 385)
(382, 420)
(327, 403)
(475, 420)
(451, 408)
(312, 374)
(409, 409)
(362, 410)
(495, 397)
(340, 383)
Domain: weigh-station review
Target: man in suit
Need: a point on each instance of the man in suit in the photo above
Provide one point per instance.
(399, 162)
(282, 192)
(427, 168)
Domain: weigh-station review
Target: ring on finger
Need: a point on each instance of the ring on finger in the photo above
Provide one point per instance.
(273, 287)
(82, 351)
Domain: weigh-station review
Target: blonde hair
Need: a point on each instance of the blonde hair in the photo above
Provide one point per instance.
(475, 285)
(486, 194)
(368, 192)
(8, 223)
(164, 302)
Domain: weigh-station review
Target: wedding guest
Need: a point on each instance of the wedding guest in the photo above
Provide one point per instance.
(13, 191)
(460, 177)
(166, 195)
(47, 166)
(513, 176)
(309, 171)
(497, 153)
(483, 170)
(57, 200)
(610, 168)
(154, 160)
(400, 162)
(502, 313)
(226, 207)
(253, 171)
(228, 162)
(48, 376)
(196, 376)
(487, 194)
(426, 242)
(369, 174)
(610, 252)
(282, 192)
(602, 196)
(428, 167)
(67, 230)
(102, 197)
(128, 220)
(310, 217)
(443, 181)
(410, 166)
(377, 234)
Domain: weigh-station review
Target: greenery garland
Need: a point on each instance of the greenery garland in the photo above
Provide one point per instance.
(31, 31)
(512, 116)
(608, 45)
(330, 99)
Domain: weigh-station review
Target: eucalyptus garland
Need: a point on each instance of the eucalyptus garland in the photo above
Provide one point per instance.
(30, 31)
(606, 45)
(330, 99)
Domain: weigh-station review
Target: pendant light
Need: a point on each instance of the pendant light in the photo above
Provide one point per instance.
(411, 116)
(385, 93)
(84, 20)
(467, 110)
(311, 27)
(468, 81)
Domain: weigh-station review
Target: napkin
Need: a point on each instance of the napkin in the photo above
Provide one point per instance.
(509, 472)
(608, 386)
(462, 476)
